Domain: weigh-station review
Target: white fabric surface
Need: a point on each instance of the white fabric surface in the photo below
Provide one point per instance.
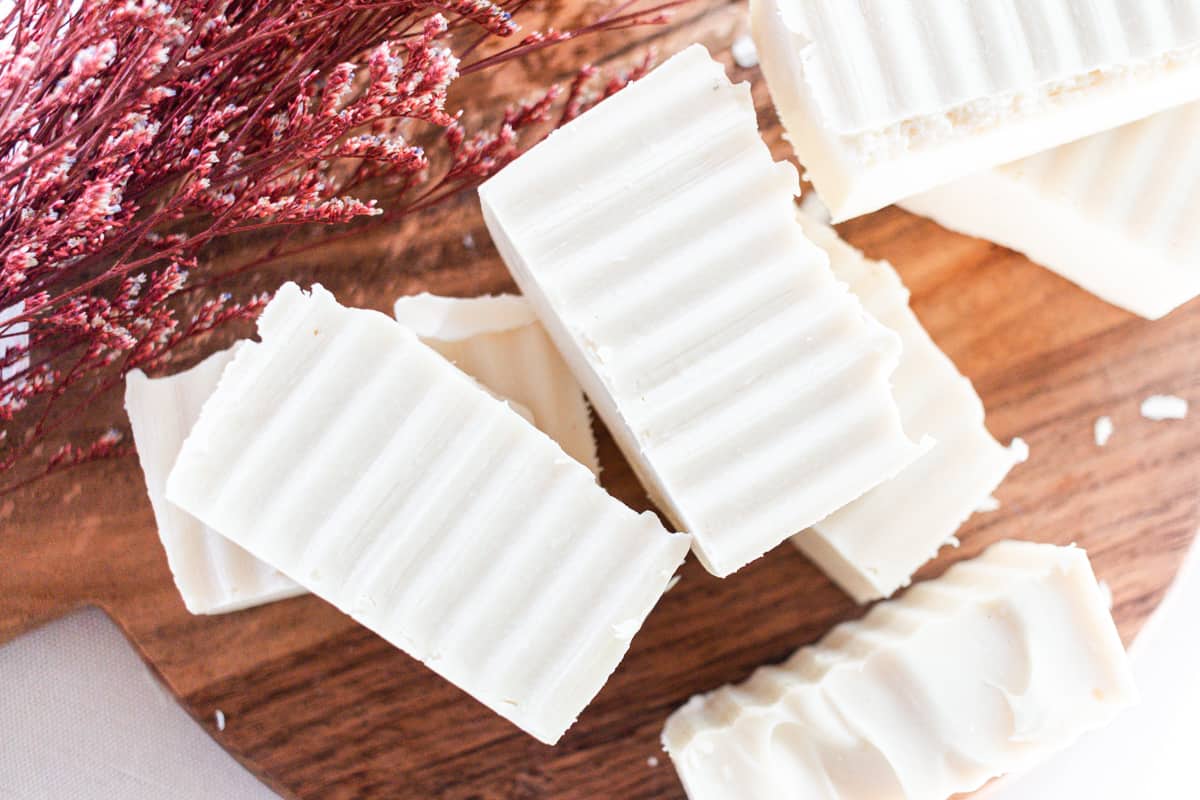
(84, 718)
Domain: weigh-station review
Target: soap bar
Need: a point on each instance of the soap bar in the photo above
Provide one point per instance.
(883, 100)
(872, 546)
(498, 341)
(358, 461)
(1117, 213)
(657, 241)
(990, 669)
(213, 575)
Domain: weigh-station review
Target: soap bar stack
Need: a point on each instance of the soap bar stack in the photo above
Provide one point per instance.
(355, 459)
(883, 100)
(989, 669)
(1117, 213)
(656, 238)
(872, 546)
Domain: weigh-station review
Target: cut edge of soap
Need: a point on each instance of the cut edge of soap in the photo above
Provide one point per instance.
(452, 319)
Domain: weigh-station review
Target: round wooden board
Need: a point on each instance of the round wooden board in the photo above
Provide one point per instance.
(321, 708)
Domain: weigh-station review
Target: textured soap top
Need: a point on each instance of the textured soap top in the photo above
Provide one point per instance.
(352, 457)
(873, 64)
(989, 669)
(1117, 212)
(213, 574)
(657, 240)
(872, 546)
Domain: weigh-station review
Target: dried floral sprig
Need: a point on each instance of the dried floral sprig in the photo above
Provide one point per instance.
(134, 135)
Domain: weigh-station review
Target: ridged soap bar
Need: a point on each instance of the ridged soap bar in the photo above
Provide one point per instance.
(872, 546)
(887, 98)
(657, 240)
(213, 575)
(1117, 213)
(990, 669)
(358, 461)
(498, 341)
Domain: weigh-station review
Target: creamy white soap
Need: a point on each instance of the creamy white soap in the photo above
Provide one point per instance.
(872, 546)
(357, 460)
(498, 341)
(657, 240)
(990, 669)
(1117, 213)
(213, 575)
(883, 100)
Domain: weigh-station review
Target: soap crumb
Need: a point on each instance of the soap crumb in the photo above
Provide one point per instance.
(671, 583)
(987, 504)
(1103, 430)
(219, 717)
(626, 629)
(1019, 449)
(652, 761)
(745, 54)
(953, 541)
(468, 241)
(1164, 406)
(812, 207)
(1106, 593)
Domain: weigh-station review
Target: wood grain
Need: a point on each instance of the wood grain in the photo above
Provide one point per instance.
(323, 709)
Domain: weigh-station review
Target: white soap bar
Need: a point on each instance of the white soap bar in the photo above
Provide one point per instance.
(361, 463)
(214, 575)
(657, 241)
(1117, 213)
(498, 341)
(872, 546)
(883, 100)
(990, 669)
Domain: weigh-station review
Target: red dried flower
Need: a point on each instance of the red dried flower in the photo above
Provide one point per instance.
(134, 134)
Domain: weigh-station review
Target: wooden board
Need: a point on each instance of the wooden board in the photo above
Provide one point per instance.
(323, 709)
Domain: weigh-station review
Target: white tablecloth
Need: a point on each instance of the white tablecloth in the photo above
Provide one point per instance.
(85, 719)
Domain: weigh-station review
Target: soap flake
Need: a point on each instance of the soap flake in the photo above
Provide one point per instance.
(1160, 407)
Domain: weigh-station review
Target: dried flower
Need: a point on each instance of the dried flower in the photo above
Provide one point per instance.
(135, 134)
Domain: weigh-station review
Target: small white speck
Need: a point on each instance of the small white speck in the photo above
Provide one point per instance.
(652, 761)
(1019, 449)
(1102, 429)
(1164, 406)
(468, 241)
(987, 504)
(745, 54)
(1106, 593)
(671, 583)
(219, 716)
(626, 629)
